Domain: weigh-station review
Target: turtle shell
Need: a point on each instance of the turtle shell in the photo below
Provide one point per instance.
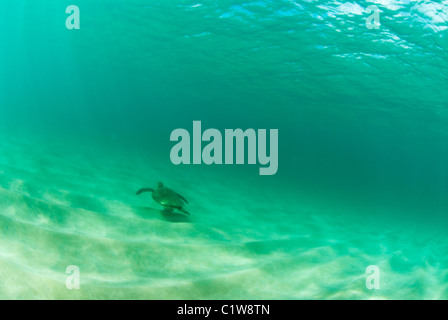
(168, 198)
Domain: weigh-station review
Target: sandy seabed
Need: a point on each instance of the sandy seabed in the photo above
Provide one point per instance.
(59, 208)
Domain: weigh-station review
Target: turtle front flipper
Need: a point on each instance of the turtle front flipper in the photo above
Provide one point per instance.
(182, 198)
(144, 190)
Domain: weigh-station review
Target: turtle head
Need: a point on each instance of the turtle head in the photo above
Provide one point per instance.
(159, 184)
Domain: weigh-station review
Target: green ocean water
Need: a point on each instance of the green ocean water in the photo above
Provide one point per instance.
(86, 117)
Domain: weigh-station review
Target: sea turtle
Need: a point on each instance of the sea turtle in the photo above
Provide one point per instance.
(166, 197)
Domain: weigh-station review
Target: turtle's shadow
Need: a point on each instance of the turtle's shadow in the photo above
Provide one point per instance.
(171, 216)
